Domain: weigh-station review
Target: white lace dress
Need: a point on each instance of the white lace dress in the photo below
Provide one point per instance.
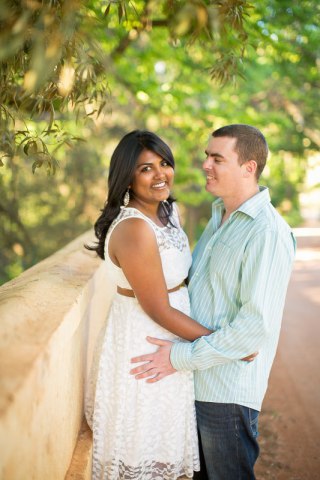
(142, 431)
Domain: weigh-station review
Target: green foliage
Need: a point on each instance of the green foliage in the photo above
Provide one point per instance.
(55, 58)
(75, 76)
(41, 216)
(49, 72)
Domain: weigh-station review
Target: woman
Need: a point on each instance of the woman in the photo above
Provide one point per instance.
(142, 430)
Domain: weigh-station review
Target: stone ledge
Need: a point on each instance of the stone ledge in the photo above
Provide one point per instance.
(81, 463)
(50, 317)
(31, 309)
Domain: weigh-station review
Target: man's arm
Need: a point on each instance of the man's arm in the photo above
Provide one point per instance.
(158, 363)
(262, 293)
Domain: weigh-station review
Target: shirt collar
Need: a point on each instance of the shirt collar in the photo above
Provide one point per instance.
(250, 207)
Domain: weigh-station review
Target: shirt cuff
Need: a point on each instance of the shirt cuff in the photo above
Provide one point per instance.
(180, 356)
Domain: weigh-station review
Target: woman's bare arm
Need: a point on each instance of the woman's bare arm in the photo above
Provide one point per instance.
(133, 247)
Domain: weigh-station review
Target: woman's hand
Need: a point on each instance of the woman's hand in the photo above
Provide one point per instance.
(250, 357)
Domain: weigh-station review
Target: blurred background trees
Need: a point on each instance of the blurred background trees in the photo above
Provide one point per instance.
(75, 76)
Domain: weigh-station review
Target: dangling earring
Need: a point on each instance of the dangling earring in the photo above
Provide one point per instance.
(166, 205)
(126, 199)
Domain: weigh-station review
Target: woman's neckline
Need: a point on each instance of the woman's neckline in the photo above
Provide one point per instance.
(148, 218)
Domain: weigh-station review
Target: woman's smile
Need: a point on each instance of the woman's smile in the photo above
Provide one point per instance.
(159, 185)
(152, 179)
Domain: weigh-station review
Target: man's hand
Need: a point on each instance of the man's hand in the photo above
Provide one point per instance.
(158, 363)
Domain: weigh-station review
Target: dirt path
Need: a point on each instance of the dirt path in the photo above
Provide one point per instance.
(290, 418)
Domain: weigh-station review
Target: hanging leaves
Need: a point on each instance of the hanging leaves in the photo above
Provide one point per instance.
(55, 57)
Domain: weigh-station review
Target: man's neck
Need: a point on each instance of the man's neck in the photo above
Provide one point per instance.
(231, 204)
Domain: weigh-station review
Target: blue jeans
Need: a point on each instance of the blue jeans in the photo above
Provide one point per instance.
(228, 441)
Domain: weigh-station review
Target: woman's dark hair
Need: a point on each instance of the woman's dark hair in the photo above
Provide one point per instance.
(122, 167)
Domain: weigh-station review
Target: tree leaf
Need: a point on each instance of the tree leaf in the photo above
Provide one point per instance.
(107, 10)
(120, 12)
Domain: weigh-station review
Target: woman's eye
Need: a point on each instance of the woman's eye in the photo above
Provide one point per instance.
(145, 169)
(165, 163)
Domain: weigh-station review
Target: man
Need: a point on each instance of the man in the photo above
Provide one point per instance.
(238, 282)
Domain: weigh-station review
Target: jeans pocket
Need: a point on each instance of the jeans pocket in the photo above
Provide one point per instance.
(254, 417)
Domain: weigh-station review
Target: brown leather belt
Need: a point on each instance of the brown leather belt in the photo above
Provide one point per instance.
(130, 293)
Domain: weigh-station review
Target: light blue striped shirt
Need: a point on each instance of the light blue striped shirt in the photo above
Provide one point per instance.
(238, 284)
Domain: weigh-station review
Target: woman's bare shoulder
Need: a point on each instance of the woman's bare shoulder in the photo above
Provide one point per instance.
(132, 230)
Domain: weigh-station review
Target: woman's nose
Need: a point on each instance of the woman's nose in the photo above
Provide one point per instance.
(160, 172)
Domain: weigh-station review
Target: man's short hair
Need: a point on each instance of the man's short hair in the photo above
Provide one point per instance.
(250, 144)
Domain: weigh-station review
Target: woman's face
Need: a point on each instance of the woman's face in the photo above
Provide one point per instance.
(153, 178)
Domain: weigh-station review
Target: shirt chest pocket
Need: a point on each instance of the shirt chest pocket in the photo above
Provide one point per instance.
(225, 262)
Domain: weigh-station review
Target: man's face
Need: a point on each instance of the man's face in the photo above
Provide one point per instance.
(222, 168)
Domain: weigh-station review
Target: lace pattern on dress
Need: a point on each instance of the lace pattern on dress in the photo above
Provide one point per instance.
(148, 470)
(142, 431)
(168, 236)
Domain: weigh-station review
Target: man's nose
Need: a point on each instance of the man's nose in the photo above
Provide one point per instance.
(207, 164)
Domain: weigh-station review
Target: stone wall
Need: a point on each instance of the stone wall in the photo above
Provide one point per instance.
(50, 317)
